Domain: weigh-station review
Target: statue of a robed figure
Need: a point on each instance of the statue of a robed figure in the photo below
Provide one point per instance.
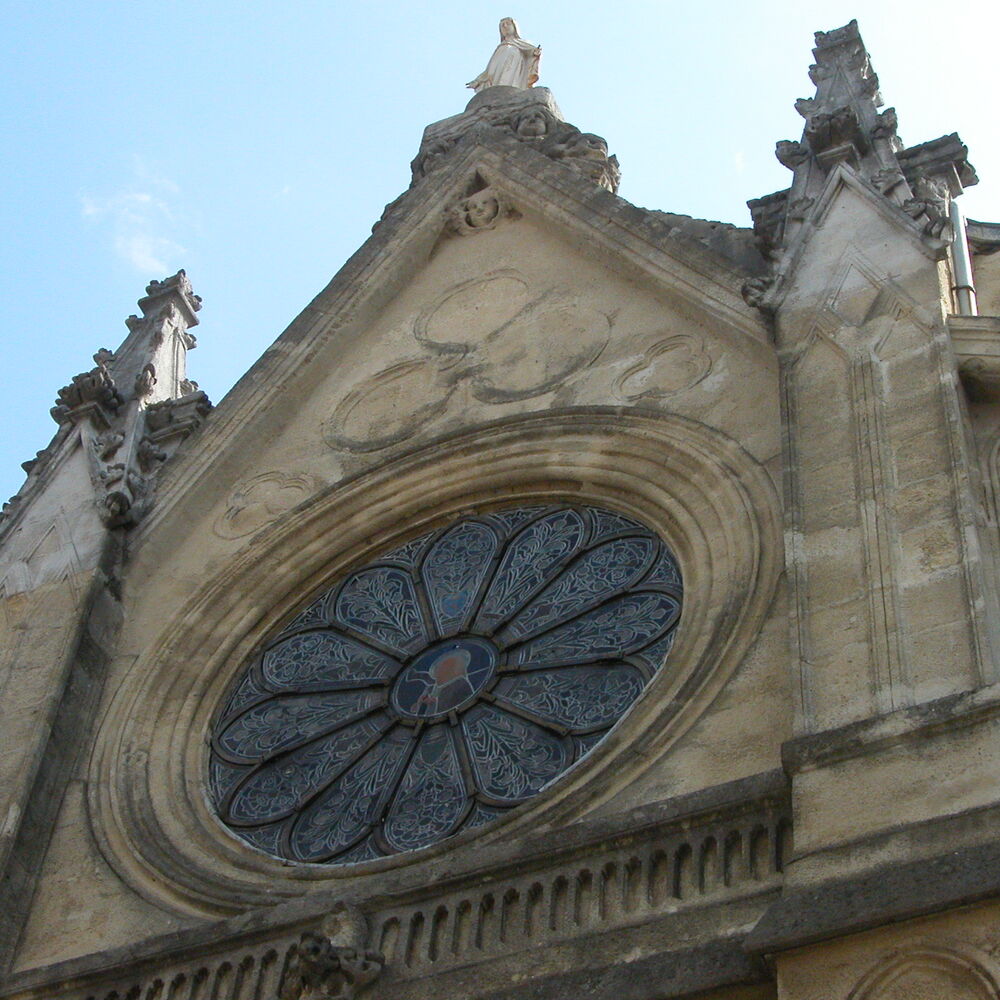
(514, 63)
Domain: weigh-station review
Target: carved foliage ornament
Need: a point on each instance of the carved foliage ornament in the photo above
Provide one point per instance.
(443, 684)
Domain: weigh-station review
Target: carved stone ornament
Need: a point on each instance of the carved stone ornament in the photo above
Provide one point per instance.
(478, 212)
(530, 117)
(90, 392)
(125, 433)
(930, 199)
(321, 971)
(585, 153)
(754, 291)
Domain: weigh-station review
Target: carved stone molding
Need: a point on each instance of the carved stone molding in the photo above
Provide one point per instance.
(954, 971)
(712, 503)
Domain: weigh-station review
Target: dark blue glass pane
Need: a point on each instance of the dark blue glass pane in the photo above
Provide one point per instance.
(513, 759)
(589, 580)
(282, 785)
(265, 838)
(665, 572)
(284, 722)
(248, 691)
(431, 799)
(314, 615)
(607, 524)
(509, 520)
(223, 777)
(321, 659)
(584, 744)
(381, 603)
(352, 804)
(531, 557)
(410, 553)
(367, 850)
(481, 815)
(654, 655)
(575, 697)
(618, 627)
(454, 570)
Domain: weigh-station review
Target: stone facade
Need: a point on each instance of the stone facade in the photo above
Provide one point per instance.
(801, 804)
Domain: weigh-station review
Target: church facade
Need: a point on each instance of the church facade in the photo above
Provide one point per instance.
(575, 600)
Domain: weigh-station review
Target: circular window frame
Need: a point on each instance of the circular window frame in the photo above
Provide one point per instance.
(713, 505)
(356, 706)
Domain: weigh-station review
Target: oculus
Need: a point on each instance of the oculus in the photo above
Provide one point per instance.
(443, 684)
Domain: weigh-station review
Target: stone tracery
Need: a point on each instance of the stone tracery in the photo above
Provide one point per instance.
(443, 684)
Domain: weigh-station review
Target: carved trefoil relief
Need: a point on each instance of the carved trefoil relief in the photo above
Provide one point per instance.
(507, 340)
(668, 366)
(260, 500)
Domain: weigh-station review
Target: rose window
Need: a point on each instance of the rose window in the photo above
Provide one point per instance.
(443, 684)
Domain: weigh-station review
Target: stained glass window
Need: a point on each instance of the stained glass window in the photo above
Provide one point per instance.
(443, 684)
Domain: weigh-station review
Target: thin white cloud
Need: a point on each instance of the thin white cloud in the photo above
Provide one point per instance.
(141, 219)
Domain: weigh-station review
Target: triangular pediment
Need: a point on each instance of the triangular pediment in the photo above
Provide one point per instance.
(558, 214)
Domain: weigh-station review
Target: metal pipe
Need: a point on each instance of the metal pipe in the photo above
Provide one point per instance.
(961, 262)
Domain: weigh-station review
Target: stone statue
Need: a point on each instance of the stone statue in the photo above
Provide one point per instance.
(513, 64)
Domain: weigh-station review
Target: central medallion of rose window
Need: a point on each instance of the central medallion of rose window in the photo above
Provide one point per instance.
(443, 684)
(444, 678)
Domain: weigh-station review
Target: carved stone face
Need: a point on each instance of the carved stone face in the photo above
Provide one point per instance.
(481, 209)
(508, 27)
(587, 145)
(531, 125)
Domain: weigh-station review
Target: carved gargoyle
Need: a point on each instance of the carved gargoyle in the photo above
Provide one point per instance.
(790, 154)
(322, 970)
(930, 199)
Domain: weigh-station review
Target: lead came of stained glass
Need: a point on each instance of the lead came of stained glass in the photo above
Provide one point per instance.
(444, 683)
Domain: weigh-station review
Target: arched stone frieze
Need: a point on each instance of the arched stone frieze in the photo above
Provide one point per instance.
(714, 506)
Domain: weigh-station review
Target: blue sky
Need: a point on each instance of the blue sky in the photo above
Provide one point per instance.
(254, 144)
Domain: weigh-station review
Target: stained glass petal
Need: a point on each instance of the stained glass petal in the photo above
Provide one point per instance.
(533, 555)
(349, 808)
(453, 572)
(280, 786)
(276, 725)
(579, 698)
(590, 579)
(431, 799)
(513, 758)
(622, 625)
(381, 603)
(322, 659)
